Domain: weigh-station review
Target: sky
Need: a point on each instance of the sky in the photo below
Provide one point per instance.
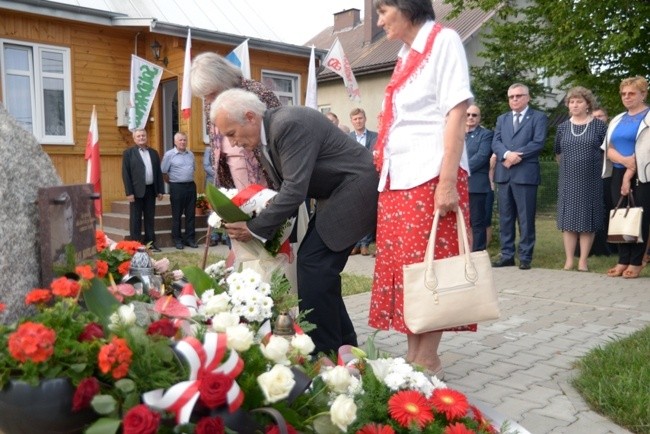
(297, 21)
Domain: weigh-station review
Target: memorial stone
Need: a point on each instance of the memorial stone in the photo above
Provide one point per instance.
(24, 168)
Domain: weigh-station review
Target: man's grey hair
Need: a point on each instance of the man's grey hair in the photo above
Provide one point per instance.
(236, 103)
(212, 73)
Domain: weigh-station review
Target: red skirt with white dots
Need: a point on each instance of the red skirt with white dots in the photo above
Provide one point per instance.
(404, 219)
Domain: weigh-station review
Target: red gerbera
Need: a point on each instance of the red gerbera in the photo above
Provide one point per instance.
(458, 428)
(408, 407)
(64, 287)
(115, 357)
(32, 341)
(451, 403)
(100, 240)
(38, 296)
(84, 272)
(482, 421)
(102, 268)
(375, 428)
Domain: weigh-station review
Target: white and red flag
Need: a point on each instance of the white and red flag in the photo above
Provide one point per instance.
(337, 62)
(93, 169)
(186, 96)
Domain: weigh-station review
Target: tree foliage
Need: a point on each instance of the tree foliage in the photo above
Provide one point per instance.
(589, 43)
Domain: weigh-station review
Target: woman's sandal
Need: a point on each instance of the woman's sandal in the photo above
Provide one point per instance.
(632, 272)
(617, 271)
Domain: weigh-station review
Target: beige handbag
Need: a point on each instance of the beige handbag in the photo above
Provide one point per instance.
(625, 223)
(450, 292)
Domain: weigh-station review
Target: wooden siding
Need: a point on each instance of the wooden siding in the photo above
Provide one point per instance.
(101, 63)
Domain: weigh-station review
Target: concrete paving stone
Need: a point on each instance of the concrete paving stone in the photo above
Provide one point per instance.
(540, 394)
(483, 359)
(503, 369)
(476, 379)
(508, 349)
(538, 424)
(518, 381)
(541, 370)
(560, 361)
(559, 407)
(562, 343)
(492, 394)
(529, 341)
(588, 425)
(513, 405)
(527, 359)
(581, 336)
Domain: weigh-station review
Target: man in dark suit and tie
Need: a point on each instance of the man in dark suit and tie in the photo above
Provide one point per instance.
(306, 155)
(366, 138)
(478, 142)
(518, 140)
(143, 183)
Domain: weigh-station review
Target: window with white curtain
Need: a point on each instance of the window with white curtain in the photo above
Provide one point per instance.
(285, 86)
(36, 87)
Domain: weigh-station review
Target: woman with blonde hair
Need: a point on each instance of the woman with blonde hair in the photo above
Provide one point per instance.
(628, 160)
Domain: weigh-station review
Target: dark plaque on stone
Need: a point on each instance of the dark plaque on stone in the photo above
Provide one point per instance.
(66, 217)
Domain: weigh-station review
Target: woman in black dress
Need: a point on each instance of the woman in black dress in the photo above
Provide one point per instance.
(580, 201)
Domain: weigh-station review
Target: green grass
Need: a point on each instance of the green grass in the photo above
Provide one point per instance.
(615, 381)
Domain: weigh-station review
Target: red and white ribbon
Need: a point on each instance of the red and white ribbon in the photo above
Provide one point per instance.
(203, 359)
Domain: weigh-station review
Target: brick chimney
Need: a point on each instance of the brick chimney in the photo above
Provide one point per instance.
(370, 27)
(347, 19)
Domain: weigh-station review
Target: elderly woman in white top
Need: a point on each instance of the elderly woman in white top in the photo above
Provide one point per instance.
(422, 162)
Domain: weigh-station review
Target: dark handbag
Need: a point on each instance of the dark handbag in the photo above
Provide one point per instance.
(625, 223)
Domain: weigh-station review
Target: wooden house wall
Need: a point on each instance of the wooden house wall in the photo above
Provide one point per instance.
(101, 64)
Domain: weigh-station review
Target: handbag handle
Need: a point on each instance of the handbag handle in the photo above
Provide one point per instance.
(430, 279)
(630, 201)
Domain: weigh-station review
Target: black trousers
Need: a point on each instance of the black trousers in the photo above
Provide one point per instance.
(632, 253)
(144, 206)
(182, 197)
(478, 220)
(319, 288)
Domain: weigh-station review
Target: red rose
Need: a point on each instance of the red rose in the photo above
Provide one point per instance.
(91, 332)
(274, 429)
(213, 389)
(210, 425)
(86, 390)
(163, 327)
(140, 420)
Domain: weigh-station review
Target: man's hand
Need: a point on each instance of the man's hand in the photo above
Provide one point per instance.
(238, 231)
(130, 198)
(511, 159)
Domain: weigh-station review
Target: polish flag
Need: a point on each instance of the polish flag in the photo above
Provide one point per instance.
(93, 170)
(186, 98)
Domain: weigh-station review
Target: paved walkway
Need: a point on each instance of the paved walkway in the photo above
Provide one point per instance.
(522, 364)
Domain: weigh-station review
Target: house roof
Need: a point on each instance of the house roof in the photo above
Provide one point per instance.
(168, 17)
(380, 54)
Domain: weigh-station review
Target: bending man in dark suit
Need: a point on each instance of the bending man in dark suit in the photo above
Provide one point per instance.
(143, 182)
(478, 142)
(518, 140)
(306, 155)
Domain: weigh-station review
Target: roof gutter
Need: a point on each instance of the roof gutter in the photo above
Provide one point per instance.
(61, 10)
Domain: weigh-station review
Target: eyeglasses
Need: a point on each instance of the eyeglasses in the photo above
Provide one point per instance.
(624, 94)
(472, 115)
(520, 95)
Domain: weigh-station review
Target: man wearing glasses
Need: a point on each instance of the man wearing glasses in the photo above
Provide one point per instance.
(478, 142)
(518, 140)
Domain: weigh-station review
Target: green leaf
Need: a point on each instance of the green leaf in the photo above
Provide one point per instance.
(104, 426)
(104, 404)
(125, 385)
(223, 206)
(100, 301)
(199, 279)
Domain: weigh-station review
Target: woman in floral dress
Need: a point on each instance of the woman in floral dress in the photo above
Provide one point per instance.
(421, 158)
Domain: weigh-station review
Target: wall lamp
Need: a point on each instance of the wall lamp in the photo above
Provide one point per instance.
(155, 50)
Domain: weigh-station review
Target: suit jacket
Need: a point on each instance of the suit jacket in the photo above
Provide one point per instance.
(133, 172)
(371, 139)
(311, 157)
(529, 139)
(479, 149)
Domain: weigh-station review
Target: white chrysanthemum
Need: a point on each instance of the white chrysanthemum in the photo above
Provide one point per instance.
(215, 304)
(437, 383)
(253, 313)
(394, 381)
(265, 288)
(251, 277)
(355, 387)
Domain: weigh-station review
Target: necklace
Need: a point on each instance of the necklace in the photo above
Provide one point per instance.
(578, 135)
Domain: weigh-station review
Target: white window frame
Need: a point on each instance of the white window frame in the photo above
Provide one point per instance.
(36, 83)
(295, 79)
